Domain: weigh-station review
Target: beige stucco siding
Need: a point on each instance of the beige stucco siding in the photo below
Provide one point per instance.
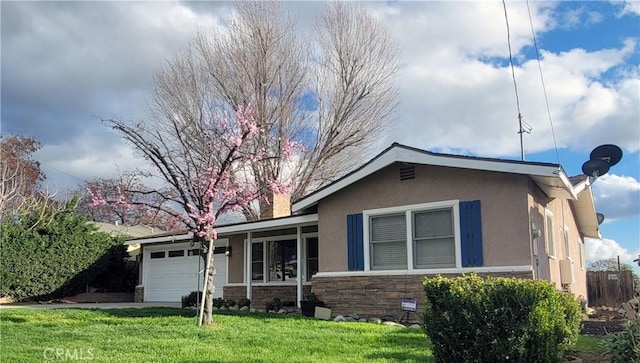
(503, 197)
(236, 261)
(548, 262)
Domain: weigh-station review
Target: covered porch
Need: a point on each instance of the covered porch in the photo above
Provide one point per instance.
(270, 259)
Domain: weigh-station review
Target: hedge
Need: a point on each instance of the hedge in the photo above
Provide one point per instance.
(471, 319)
(53, 259)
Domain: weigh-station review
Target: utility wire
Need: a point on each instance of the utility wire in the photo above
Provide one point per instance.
(544, 87)
(521, 130)
(60, 171)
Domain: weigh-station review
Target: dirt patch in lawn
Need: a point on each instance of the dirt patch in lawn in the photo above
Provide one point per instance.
(601, 327)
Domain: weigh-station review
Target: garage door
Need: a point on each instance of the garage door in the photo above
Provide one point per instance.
(171, 271)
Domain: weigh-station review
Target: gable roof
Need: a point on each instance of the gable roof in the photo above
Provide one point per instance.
(551, 178)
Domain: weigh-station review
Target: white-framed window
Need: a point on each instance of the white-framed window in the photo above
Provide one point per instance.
(550, 242)
(418, 236)
(567, 247)
(388, 238)
(582, 255)
(274, 259)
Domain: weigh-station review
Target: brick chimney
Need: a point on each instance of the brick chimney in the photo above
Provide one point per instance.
(275, 206)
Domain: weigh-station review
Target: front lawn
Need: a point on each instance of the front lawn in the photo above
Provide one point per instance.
(170, 335)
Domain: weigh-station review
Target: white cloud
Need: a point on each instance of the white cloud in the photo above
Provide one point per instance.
(629, 7)
(578, 17)
(457, 89)
(617, 197)
(598, 249)
(87, 157)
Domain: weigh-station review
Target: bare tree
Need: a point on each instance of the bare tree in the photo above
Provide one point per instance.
(334, 93)
(21, 175)
(134, 207)
(357, 95)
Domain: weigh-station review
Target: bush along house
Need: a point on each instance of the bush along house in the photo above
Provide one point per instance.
(364, 242)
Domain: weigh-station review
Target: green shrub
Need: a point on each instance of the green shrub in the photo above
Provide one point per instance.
(218, 302)
(244, 302)
(624, 346)
(470, 319)
(193, 299)
(53, 259)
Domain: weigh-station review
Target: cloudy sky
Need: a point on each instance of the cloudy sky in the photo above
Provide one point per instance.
(65, 64)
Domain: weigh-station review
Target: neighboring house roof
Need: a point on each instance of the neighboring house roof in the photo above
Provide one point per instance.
(551, 178)
(136, 231)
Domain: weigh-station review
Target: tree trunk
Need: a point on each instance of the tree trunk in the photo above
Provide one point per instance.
(206, 311)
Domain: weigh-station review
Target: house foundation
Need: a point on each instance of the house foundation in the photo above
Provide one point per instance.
(138, 295)
(380, 295)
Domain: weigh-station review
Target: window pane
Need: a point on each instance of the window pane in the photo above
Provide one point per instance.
(312, 247)
(176, 253)
(388, 228)
(312, 257)
(389, 255)
(551, 248)
(256, 251)
(157, 254)
(257, 267)
(433, 224)
(194, 252)
(434, 253)
(282, 261)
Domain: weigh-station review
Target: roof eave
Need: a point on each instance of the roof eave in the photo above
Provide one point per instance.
(585, 211)
(254, 226)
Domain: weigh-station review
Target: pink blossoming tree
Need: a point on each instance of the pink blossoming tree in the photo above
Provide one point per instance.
(206, 164)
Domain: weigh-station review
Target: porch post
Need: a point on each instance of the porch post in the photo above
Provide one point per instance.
(299, 265)
(248, 265)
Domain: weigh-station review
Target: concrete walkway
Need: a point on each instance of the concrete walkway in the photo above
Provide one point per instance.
(126, 305)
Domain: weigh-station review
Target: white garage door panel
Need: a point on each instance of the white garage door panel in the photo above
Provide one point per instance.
(170, 278)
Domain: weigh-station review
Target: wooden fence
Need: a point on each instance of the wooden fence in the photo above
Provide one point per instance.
(609, 288)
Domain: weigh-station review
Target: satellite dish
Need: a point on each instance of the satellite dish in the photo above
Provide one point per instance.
(595, 167)
(609, 153)
(600, 217)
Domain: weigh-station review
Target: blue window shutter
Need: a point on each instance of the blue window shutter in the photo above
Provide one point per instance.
(355, 246)
(471, 233)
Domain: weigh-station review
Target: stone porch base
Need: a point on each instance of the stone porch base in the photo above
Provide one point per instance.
(261, 295)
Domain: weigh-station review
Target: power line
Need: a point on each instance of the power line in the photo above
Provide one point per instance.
(60, 171)
(521, 123)
(544, 87)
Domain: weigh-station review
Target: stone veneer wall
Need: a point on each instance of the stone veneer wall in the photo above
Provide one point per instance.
(377, 296)
(261, 295)
(138, 296)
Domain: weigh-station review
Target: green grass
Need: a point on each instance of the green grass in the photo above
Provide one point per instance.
(589, 344)
(170, 335)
